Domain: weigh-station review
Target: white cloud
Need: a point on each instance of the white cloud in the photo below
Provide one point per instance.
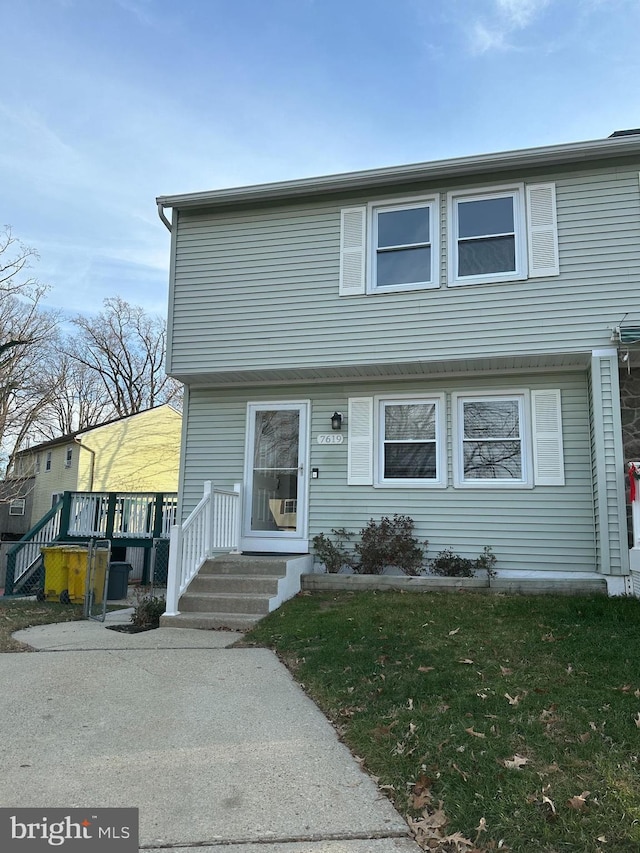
(509, 17)
(520, 13)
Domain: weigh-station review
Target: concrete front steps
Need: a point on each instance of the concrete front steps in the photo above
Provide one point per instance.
(234, 591)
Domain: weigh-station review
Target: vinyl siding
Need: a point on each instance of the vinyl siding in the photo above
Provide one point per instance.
(610, 511)
(541, 528)
(258, 289)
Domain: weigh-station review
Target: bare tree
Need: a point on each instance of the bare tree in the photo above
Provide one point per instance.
(79, 400)
(125, 347)
(26, 333)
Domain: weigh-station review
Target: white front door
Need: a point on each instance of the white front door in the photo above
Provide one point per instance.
(276, 479)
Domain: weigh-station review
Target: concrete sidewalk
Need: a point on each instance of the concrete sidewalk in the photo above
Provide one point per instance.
(215, 746)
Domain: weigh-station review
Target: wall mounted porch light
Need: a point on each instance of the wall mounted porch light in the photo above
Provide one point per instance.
(336, 420)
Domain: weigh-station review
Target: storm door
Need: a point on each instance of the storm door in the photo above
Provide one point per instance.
(275, 505)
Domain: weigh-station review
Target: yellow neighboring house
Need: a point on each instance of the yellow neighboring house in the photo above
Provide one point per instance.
(137, 453)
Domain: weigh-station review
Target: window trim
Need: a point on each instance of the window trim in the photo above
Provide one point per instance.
(515, 191)
(432, 202)
(68, 456)
(47, 461)
(12, 505)
(458, 398)
(379, 480)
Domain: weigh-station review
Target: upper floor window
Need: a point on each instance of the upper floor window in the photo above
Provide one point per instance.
(498, 234)
(16, 507)
(47, 462)
(402, 252)
(37, 465)
(68, 457)
(487, 237)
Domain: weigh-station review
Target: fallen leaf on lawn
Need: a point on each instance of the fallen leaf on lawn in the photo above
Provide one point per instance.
(516, 762)
(602, 839)
(410, 704)
(465, 660)
(548, 638)
(512, 700)
(419, 801)
(482, 695)
(569, 669)
(442, 709)
(471, 731)
(550, 803)
(455, 631)
(412, 728)
(548, 714)
(636, 719)
(426, 668)
(505, 670)
(625, 688)
(585, 737)
(578, 802)
(482, 826)
(461, 772)
(636, 693)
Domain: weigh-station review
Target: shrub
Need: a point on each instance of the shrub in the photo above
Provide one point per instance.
(333, 554)
(390, 542)
(148, 611)
(449, 564)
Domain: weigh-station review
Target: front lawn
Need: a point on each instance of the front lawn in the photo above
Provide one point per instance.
(519, 715)
(19, 613)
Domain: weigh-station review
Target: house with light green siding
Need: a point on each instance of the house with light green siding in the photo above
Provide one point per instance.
(444, 340)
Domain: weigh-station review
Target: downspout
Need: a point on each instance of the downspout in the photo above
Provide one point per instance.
(93, 461)
(163, 217)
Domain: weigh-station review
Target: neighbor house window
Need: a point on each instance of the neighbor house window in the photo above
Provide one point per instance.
(16, 507)
(68, 457)
(47, 464)
(403, 254)
(491, 438)
(37, 463)
(487, 237)
(409, 432)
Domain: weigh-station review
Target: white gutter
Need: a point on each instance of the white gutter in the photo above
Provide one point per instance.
(163, 217)
(551, 155)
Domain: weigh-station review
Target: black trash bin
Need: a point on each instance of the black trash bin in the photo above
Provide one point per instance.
(118, 581)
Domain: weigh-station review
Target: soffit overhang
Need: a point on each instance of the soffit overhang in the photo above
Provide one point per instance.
(400, 371)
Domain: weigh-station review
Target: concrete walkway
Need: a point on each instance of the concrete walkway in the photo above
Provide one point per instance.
(216, 746)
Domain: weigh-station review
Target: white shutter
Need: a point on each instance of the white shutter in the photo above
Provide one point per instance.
(542, 236)
(360, 453)
(353, 233)
(548, 456)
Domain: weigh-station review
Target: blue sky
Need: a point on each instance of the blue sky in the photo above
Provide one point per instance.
(108, 103)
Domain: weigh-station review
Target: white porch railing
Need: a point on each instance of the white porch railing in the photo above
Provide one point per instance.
(213, 526)
(30, 552)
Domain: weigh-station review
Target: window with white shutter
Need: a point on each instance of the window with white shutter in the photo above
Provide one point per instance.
(542, 230)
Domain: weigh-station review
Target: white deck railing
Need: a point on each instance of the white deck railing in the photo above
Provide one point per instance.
(213, 526)
(30, 552)
(133, 515)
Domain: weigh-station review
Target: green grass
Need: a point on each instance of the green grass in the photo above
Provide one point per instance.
(19, 613)
(442, 689)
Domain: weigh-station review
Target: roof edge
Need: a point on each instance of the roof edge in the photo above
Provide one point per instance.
(344, 181)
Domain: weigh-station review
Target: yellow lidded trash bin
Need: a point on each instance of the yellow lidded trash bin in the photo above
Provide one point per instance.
(100, 561)
(56, 573)
(65, 572)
